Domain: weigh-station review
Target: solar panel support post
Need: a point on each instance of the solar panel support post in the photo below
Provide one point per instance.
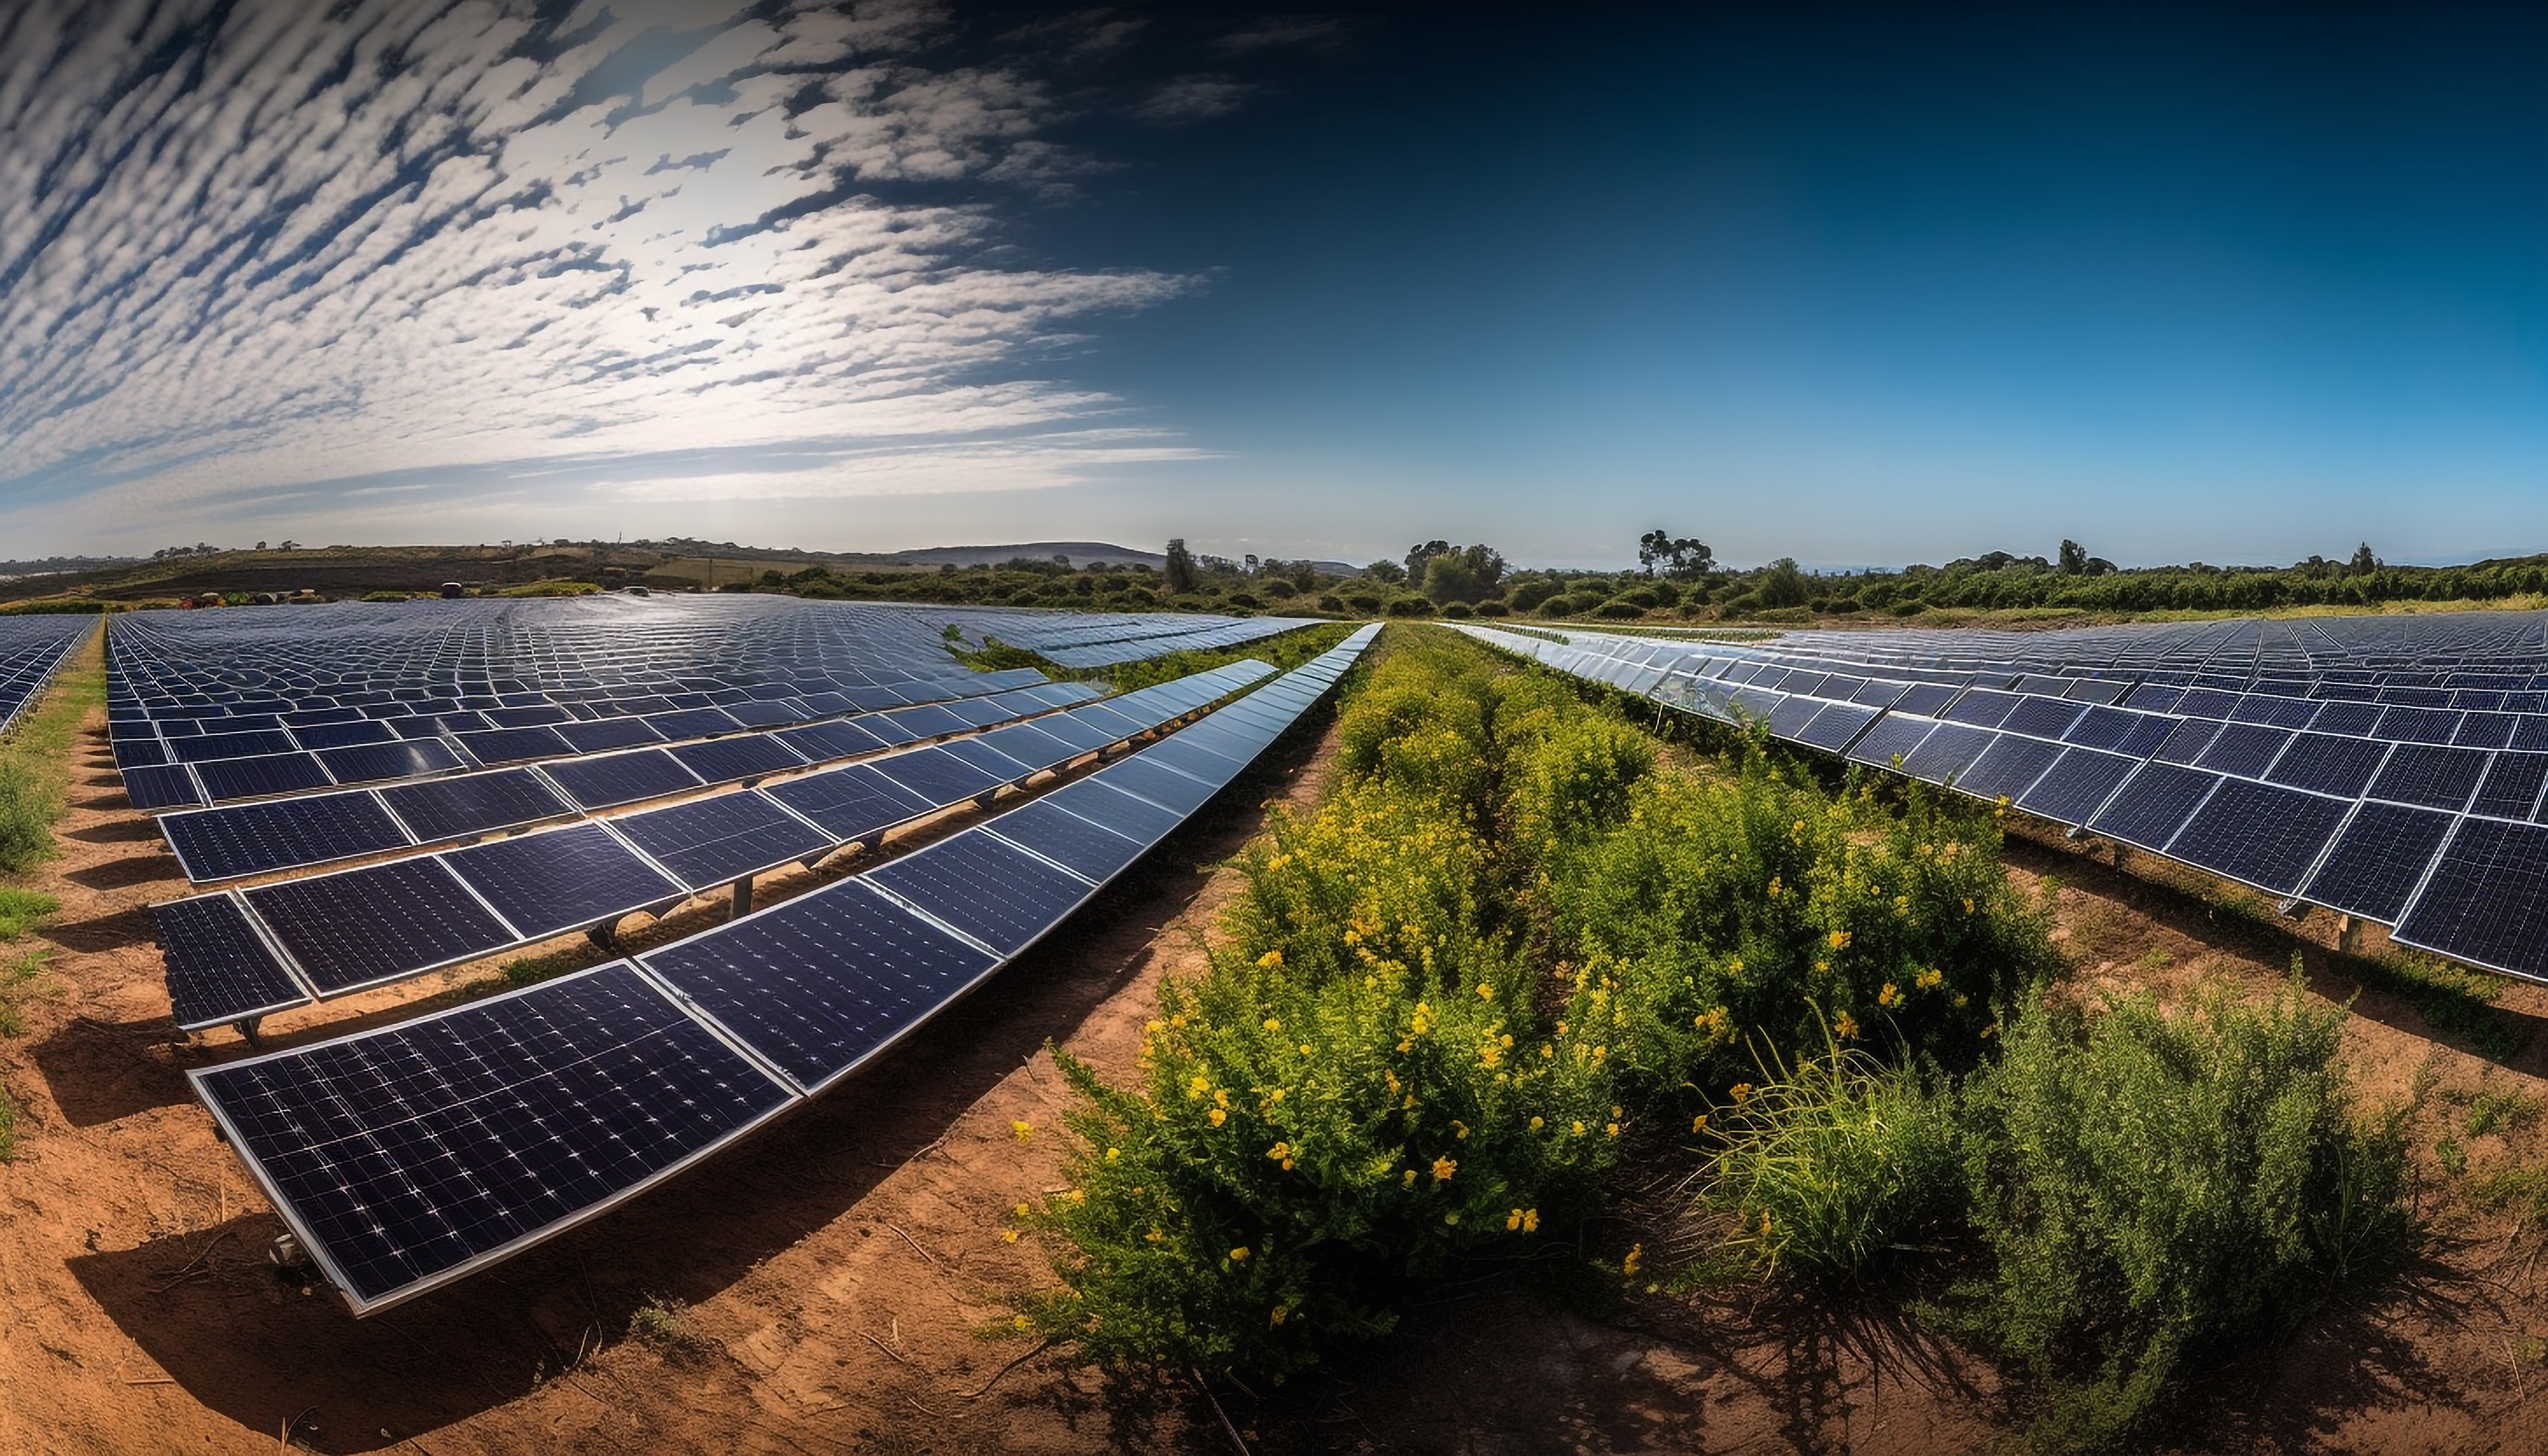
(246, 1028)
(604, 937)
(2348, 934)
(743, 898)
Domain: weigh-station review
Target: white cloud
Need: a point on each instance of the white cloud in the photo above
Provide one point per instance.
(1194, 99)
(390, 242)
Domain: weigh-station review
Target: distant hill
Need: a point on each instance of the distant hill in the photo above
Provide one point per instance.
(1081, 553)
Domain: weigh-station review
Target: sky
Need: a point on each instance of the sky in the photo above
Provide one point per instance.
(1862, 286)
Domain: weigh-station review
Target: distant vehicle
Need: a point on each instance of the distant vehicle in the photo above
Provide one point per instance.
(635, 591)
(452, 590)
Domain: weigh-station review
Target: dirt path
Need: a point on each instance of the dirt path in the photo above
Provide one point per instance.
(843, 1282)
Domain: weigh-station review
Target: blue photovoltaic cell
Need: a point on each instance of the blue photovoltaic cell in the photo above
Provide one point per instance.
(820, 742)
(980, 713)
(1981, 708)
(886, 730)
(248, 779)
(2511, 789)
(600, 735)
(515, 745)
(696, 722)
(1924, 698)
(412, 758)
(2044, 717)
(218, 969)
(729, 759)
(252, 839)
(2120, 730)
(160, 786)
(622, 778)
(2431, 777)
(1100, 803)
(1054, 832)
(1946, 754)
(402, 1155)
(343, 735)
(987, 759)
(2151, 807)
(376, 924)
(2010, 768)
(2328, 764)
(1108, 721)
(2487, 900)
(715, 841)
(562, 879)
(768, 712)
(1894, 736)
(995, 892)
(140, 753)
(207, 746)
(1160, 784)
(853, 804)
(2416, 725)
(2354, 718)
(2265, 836)
(2532, 732)
(927, 721)
(823, 981)
(2486, 730)
(2188, 741)
(1185, 755)
(1836, 725)
(1030, 746)
(936, 776)
(474, 803)
(2245, 749)
(1790, 716)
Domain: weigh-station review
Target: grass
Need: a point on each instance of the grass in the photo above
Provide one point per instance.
(22, 910)
(36, 761)
(667, 1325)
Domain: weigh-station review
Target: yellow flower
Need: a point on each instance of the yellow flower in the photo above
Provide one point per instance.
(1022, 1211)
(1486, 992)
(1530, 1221)
(1740, 1092)
(1306, 1050)
(1155, 1236)
(1409, 1177)
(1218, 1117)
(1889, 995)
(1611, 1128)
(1459, 1129)
(1443, 1169)
(1512, 1221)
(1960, 999)
(1578, 1127)
(1388, 1077)
(1114, 1153)
(1845, 1027)
(1698, 1123)
(1280, 1153)
(1198, 1086)
(1009, 1236)
(1269, 960)
(1277, 1314)
(1635, 1260)
(1930, 978)
(1022, 1129)
(1536, 1123)
(1839, 940)
(1969, 904)
(1238, 1254)
(1273, 1023)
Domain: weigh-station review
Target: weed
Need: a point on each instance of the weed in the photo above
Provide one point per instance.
(2504, 1110)
(22, 910)
(2454, 1158)
(666, 1324)
(22, 978)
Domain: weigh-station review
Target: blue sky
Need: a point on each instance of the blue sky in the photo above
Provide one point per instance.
(1862, 286)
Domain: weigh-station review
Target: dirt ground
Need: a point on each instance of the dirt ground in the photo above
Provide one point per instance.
(843, 1282)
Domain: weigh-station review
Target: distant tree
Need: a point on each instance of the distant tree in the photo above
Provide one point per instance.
(2075, 559)
(2364, 563)
(1386, 570)
(1466, 573)
(294, 545)
(1681, 559)
(260, 545)
(1417, 556)
(1782, 584)
(1180, 570)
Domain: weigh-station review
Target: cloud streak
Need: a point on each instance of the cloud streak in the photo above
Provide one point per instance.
(247, 250)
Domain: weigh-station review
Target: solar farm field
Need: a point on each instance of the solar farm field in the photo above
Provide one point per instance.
(735, 1022)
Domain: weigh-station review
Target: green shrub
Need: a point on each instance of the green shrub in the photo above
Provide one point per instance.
(1825, 1168)
(22, 910)
(2155, 1188)
(30, 802)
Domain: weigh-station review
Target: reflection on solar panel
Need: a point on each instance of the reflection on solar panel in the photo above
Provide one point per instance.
(937, 776)
(622, 778)
(1160, 784)
(218, 969)
(851, 804)
(453, 808)
(381, 923)
(990, 891)
(820, 983)
(731, 760)
(274, 774)
(562, 879)
(716, 840)
(403, 1158)
(252, 839)
(1054, 832)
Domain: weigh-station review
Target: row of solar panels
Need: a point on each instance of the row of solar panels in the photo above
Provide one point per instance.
(1077, 639)
(307, 757)
(33, 650)
(236, 956)
(2440, 841)
(408, 1157)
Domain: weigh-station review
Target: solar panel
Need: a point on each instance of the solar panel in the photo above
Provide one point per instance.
(2487, 899)
(2431, 777)
(2511, 789)
(600, 735)
(562, 879)
(364, 927)
(474, 803)
(1187, 753)
(851, 804)
(982, 756)
(2009, 767)
(622, 778)
(696, 722)
(403, 1158)
(1836, 726)
(926, 720)
(2150, 808)
(1052, 830)
(2265, 836)
(207, 746)
(993, 891)
(1947, 751)
(343, 735)
(2328, 764)
(1160, 784)
(823, 981)
(2377, 860)
(1030, 746)
(274, 774)
(253, 839)
(218, 969)
(1100, 803)
(716, 840)
(730, 760)
(820, 742)
(2120, 730)
(2044, 717)
(494, 745)
(412, 758)
(1891, 736)
(2245, 749)
(936, 776)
